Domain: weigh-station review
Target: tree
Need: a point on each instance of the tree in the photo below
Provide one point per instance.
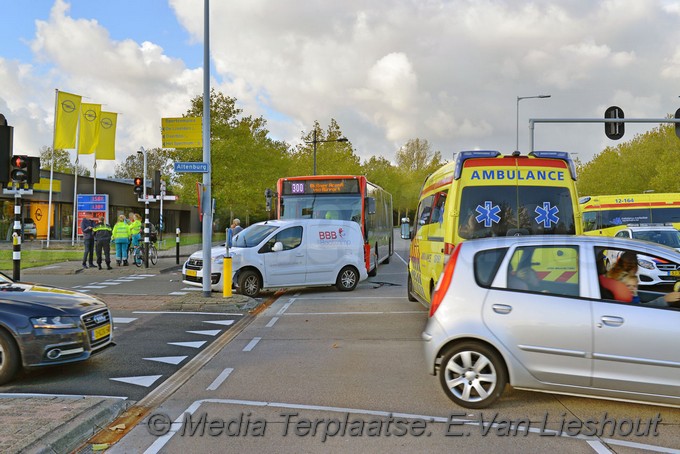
(62, 162)
(415, 161)
(648, 162)
(332, 157)
(133, 166)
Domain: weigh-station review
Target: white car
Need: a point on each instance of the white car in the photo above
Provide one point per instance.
(653, 271)
(290, 253)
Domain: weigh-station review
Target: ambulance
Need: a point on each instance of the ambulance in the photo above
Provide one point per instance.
(483, 193)
(607, 214)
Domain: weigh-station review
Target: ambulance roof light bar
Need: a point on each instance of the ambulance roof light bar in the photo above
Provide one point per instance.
(464, 155)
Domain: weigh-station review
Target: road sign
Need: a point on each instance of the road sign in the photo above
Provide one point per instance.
(614, 130)
(191, 167)
(184, 132)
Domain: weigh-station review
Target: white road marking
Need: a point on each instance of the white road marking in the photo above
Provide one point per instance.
(285, 306)
(210, 332)
(119, 320)
(109, 283)
(219, 322)
(220, 379)
(188, 313)
(94, 286)
(252, 344)
(194, 344)
(400, 258)
(176, 425)
(271, 322)
(168, 359)
(177, 293)
(145, 381)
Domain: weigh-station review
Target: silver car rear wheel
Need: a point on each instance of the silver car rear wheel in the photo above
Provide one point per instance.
(472, 375)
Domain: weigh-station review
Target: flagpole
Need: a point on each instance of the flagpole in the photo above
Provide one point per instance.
(94, 191)
(75, 198)
(49, 202)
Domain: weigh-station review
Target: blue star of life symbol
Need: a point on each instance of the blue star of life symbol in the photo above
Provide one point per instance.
(488, 214)
(547, 215)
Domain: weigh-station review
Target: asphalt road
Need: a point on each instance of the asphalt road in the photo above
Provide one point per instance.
(150, 347)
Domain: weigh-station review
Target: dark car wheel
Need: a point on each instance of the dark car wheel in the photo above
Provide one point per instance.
(348, 278)
(472, 375)
(9, 357)
(409, 289)
(249, 283)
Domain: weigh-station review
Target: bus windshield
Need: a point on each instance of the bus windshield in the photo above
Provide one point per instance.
(341, 207)
(525, 210)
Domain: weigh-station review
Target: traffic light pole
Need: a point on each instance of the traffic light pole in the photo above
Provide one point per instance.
(16, 238)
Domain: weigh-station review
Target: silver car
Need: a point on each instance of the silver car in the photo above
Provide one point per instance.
(536, 312)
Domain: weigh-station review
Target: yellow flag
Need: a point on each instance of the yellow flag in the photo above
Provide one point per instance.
(88, 132)
(106, 148)
(66, 117)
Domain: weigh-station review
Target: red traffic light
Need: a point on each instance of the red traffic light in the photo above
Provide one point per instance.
(19, 168)
(139, 183)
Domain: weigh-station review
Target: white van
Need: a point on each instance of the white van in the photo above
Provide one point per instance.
(287, 253)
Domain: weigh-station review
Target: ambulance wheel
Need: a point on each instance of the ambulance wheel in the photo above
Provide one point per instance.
(249, 283)
(347, 279)
(409, 289)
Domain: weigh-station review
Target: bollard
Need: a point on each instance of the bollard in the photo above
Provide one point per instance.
(226, 278)
(177, 247)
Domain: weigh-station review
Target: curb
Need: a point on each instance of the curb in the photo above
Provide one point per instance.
(73, 433)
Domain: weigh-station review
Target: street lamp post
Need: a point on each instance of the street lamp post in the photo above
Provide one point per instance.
(519, 98)
(315, 141)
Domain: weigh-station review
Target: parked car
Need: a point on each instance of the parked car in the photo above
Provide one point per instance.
(652, 272)
(530, 312)
(44, 326)
(29, 229)
(287, 253)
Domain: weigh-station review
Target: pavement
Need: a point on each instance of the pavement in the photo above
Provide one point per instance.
(64, 423)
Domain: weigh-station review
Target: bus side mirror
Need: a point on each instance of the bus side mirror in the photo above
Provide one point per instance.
(370, 202)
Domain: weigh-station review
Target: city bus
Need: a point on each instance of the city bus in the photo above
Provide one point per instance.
(484, 193)
(344, 197)
(607, 214)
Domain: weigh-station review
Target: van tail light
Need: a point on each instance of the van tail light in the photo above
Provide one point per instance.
(444, 281)
(367, 256)
(448, 248)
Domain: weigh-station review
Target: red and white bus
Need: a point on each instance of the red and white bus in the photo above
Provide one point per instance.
(345, 197)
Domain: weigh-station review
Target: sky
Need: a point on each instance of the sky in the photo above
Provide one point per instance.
(447, 71)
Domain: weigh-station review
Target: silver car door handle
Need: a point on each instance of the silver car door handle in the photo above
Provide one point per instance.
(501, 308)
(610, 320)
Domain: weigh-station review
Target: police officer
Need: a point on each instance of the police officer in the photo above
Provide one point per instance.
(102, 241)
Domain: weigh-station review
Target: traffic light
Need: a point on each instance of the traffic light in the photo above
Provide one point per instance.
(139, 186)
(33, 170)
(677, 125)
(18, 169)
(614, 130)
(6, 133)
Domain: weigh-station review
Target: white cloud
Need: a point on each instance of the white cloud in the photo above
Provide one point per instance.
(387, 71)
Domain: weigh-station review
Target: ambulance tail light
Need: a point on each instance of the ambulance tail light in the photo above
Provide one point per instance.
(448, 248)
(444, 281)
(563, 155)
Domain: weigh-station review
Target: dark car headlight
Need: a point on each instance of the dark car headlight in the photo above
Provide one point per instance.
(54, 322)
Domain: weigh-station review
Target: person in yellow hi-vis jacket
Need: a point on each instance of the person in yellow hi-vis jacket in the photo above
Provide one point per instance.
(121, 237)
(136, 230)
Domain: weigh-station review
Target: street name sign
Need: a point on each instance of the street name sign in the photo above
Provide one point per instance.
(191, 167)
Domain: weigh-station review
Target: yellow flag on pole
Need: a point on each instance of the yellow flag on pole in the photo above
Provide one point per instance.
(106, 148)
(88, 132)
(66, 117)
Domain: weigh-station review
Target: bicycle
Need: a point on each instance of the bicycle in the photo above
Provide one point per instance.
(138, 254)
